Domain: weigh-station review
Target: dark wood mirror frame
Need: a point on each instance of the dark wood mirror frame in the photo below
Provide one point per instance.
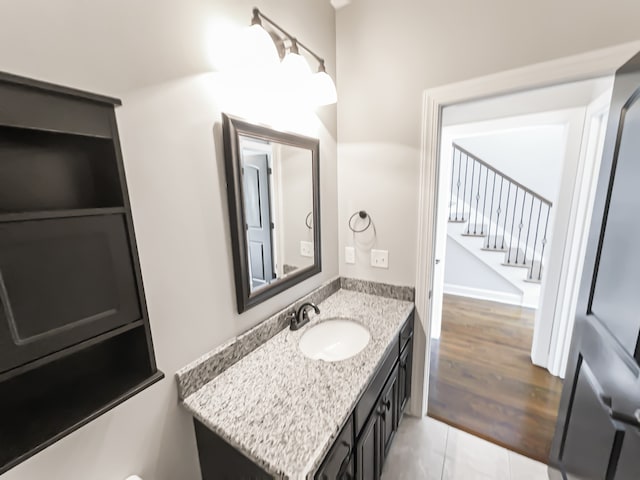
(232, 129)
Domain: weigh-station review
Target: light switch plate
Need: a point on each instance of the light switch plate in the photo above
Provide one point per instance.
(306, 249)
(350, 255)
(380, 258)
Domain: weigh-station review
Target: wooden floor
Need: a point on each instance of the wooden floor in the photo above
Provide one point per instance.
(482, 379)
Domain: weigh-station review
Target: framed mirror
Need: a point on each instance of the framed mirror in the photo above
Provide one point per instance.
(273, 187)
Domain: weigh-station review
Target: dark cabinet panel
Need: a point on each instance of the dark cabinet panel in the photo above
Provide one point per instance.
(219, 460)
(62, 281)
(339, 462)
(370, 397)
(405, 369)
(378, 434)
(387, 409)
(406, 333)
(368, 454)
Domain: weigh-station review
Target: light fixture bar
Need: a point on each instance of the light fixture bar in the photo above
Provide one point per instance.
(257, 15)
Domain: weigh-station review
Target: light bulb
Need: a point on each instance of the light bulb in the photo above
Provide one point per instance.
(257, 49)
(295, 69)
(323, 89)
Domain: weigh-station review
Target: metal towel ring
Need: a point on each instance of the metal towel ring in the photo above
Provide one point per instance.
(362, 214)
(308, 220)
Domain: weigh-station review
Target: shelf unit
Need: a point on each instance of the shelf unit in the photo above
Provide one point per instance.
(75, 339)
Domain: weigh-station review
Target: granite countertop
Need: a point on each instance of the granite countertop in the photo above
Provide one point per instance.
(283, 410)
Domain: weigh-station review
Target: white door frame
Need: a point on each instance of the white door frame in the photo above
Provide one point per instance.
(578, 67)
(586, 179)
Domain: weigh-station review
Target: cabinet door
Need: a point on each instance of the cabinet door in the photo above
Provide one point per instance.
(387, 410)
(62, 281)
(339, 462)
(368, 451)
(405, 368)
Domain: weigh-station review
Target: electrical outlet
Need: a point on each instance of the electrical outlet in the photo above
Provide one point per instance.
(349, 255)
(306, 249)
(380, 258)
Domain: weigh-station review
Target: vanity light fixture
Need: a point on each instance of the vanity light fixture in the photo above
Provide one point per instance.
(320, 86)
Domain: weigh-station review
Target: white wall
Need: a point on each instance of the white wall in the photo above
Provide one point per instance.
(389, 53)
(297, 202)
(533, 156)
(379, 178)
(463, 269)
(156, 58)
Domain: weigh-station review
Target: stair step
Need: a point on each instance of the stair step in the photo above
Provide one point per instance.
(453, 220)
(535, 273)
(491, 249)
(515, 257)
(476, 230)
(494, 240)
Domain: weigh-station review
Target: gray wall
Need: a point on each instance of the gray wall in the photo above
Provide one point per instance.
(390, 52)
(156, 57)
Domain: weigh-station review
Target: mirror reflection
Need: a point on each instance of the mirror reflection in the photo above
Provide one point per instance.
(277, 184)
(273, 189)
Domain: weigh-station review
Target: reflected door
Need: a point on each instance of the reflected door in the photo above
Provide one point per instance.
(258, 218)
(597, 435)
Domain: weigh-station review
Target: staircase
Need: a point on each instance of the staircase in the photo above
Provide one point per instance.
(493, 213)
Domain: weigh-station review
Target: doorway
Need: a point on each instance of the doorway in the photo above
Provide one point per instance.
(500, 188)
(455, 95)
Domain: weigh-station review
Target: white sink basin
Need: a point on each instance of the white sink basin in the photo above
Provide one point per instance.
(334, 340)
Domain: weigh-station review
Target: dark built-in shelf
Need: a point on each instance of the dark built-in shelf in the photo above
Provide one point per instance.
(42, 171)
(22, 369)
(82, 212)
(75, 339)
(44, 405)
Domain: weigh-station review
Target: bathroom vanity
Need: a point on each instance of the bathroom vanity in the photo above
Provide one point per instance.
(276, 413)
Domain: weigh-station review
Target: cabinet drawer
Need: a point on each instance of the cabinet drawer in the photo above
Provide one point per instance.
(406, 333)
(339, 462)
(62, 281)
(369, 398)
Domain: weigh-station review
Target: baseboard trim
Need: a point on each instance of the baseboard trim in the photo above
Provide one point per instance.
(482, 294)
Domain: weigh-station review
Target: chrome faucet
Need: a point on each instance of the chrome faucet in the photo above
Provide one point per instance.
(300, 317)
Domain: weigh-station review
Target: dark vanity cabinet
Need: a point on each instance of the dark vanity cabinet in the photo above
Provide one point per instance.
(74, 332)
(340, 461)
(360, 450)
(377, 413)
(391, 388)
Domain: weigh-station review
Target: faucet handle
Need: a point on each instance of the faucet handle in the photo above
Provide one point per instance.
(292, 317)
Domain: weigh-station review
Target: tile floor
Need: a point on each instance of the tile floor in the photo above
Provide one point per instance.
(426, 449)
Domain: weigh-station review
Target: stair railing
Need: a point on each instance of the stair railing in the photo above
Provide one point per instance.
(514, 205)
